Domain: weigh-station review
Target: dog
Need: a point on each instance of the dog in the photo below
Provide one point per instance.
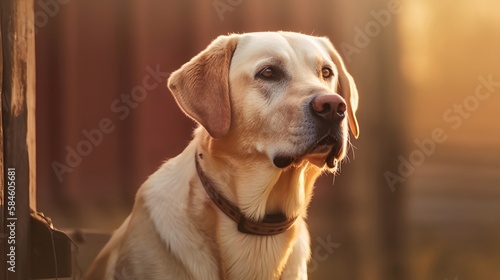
(274, 111)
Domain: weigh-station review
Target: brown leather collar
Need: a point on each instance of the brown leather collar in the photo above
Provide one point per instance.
(271, 224)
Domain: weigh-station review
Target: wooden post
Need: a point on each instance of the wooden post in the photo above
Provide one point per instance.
(17, 135)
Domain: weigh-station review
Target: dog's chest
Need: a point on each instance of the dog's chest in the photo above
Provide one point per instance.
(243, 256)
(246, 256)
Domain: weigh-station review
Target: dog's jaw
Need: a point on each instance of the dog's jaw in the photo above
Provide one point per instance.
(326, 152)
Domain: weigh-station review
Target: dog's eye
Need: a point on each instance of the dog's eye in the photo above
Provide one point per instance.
(266, 73)
(326, 72)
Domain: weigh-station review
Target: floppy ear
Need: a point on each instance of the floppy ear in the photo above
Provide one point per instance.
(347, 88)
(201, 86)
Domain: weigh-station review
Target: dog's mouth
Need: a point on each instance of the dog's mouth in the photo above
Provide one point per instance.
(328, 147)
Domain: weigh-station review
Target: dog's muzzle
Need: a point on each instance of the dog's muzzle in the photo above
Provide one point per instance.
(329, 111)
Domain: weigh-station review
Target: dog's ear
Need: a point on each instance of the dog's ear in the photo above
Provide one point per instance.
(347, 88)
(201, 86)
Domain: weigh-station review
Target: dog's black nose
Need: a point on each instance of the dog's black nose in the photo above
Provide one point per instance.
(330, 107)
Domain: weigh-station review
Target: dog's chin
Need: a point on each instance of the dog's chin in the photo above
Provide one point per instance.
(325, 152)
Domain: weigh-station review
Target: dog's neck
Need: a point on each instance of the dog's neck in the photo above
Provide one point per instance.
(256, 186)
(272, 224)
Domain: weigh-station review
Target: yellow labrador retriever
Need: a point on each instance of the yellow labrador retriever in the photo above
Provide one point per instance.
(274, 110)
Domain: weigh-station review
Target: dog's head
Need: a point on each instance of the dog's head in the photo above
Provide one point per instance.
(284, 95)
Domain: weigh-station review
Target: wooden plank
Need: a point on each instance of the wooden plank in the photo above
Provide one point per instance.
(29, 26)
(18, 93)
(3, 236)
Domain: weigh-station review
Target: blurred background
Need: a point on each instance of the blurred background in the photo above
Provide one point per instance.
(419, 197)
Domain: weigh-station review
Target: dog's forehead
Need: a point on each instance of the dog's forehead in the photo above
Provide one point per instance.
(286, 46)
